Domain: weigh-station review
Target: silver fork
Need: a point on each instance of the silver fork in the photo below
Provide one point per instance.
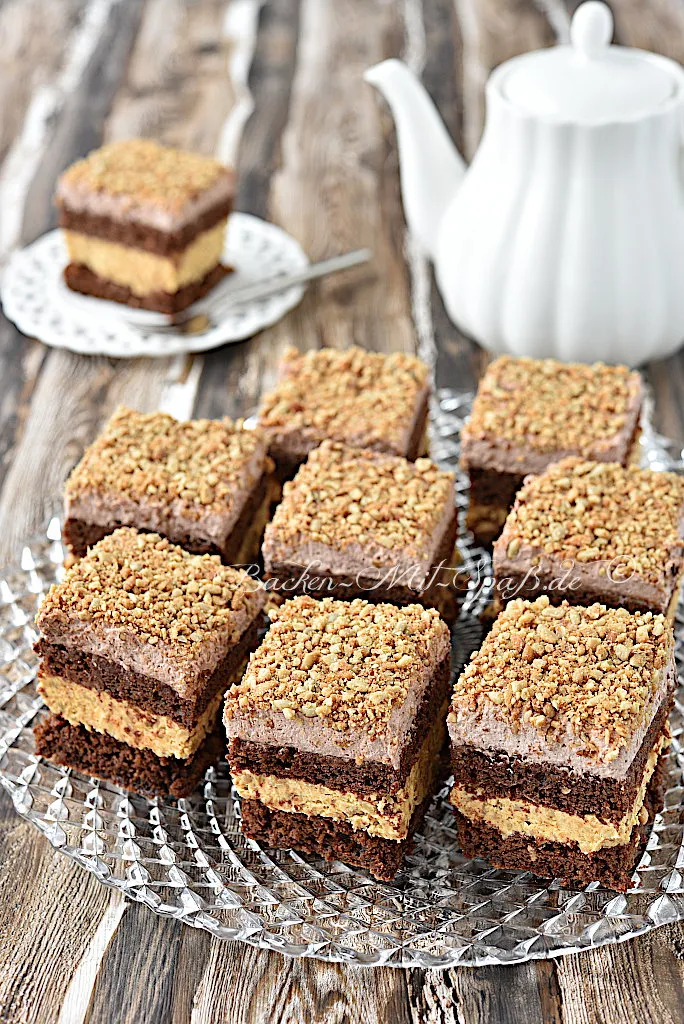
(201, 323)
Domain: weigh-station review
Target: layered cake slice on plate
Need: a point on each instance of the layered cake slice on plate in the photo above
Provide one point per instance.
(145, 224)
(336, 732)
(358, 523)
(559, 731)
(139, 643)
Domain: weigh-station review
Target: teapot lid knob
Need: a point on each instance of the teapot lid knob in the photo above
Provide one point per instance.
(590, 81)
(591, 29)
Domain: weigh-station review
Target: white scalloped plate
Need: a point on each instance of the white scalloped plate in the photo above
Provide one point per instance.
(35, 298)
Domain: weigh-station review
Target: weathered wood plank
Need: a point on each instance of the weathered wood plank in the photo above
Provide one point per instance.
(658, 26)
(46, 55)
(250, 986)
(230, 378)
(81, 97)
(57, 411)
(458, 359)
(150, 972)
(332, 188)
(493, 31)
(639, 982)
(50, 910)
(506, 995)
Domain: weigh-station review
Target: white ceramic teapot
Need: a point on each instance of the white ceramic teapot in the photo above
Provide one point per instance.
(565, 236)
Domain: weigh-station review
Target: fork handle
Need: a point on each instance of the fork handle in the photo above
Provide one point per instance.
(262, 289)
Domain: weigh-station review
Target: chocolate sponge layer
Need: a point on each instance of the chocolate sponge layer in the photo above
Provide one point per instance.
(346, 588)
(613, 866)
(141, 771)
(81, 279)
(333, 840)
(143, 692)
(554, 785)
(80, 535)
(143, 236)
(344, 773)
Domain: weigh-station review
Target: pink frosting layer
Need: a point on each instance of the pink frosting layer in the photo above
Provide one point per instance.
(312, 735)
(487, 731)
(122, 208)
(503, 456)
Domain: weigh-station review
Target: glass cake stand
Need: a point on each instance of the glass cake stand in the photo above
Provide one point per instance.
(188, 859)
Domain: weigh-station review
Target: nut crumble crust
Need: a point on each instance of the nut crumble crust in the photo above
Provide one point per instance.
(147, 172)
(593, 670)
(349, 663)
(165, 596)
(344, 496)
(551, 406)
(331, 393)
(588, 511)
(198, 463)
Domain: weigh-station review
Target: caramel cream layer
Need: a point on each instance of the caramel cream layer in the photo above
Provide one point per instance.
(99, 711)
(387, 817)
(551, 825)
(144, 272)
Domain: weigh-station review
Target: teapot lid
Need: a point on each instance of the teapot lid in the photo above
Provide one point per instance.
(590, 80)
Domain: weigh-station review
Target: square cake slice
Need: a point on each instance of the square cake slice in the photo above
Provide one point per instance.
(357, 523)
(559, 731)
(145, 224)
(138, 645)
(529, 413)
(205, 484)
(336, 732)
(595, 531)
(363, 399)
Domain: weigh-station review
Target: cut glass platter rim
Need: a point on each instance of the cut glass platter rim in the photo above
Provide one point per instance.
(188, 859)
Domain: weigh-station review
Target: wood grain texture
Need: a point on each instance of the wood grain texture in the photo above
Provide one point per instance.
(639, 982)
(256, 986)
(231, 375)
(325, 145)
(50, 910)
(164, 963)
(318, 155)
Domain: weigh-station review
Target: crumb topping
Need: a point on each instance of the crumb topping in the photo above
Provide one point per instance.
(349, 664)
(552, 406)
(600, 511)
(164, 596)
(588, 671)
(147, 172)
(365, 398)
(344, 496)
(200, 465)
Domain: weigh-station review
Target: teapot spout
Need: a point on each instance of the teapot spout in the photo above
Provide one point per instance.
(431, 168)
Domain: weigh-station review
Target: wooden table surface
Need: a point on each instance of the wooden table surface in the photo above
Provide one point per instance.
(277, 88)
